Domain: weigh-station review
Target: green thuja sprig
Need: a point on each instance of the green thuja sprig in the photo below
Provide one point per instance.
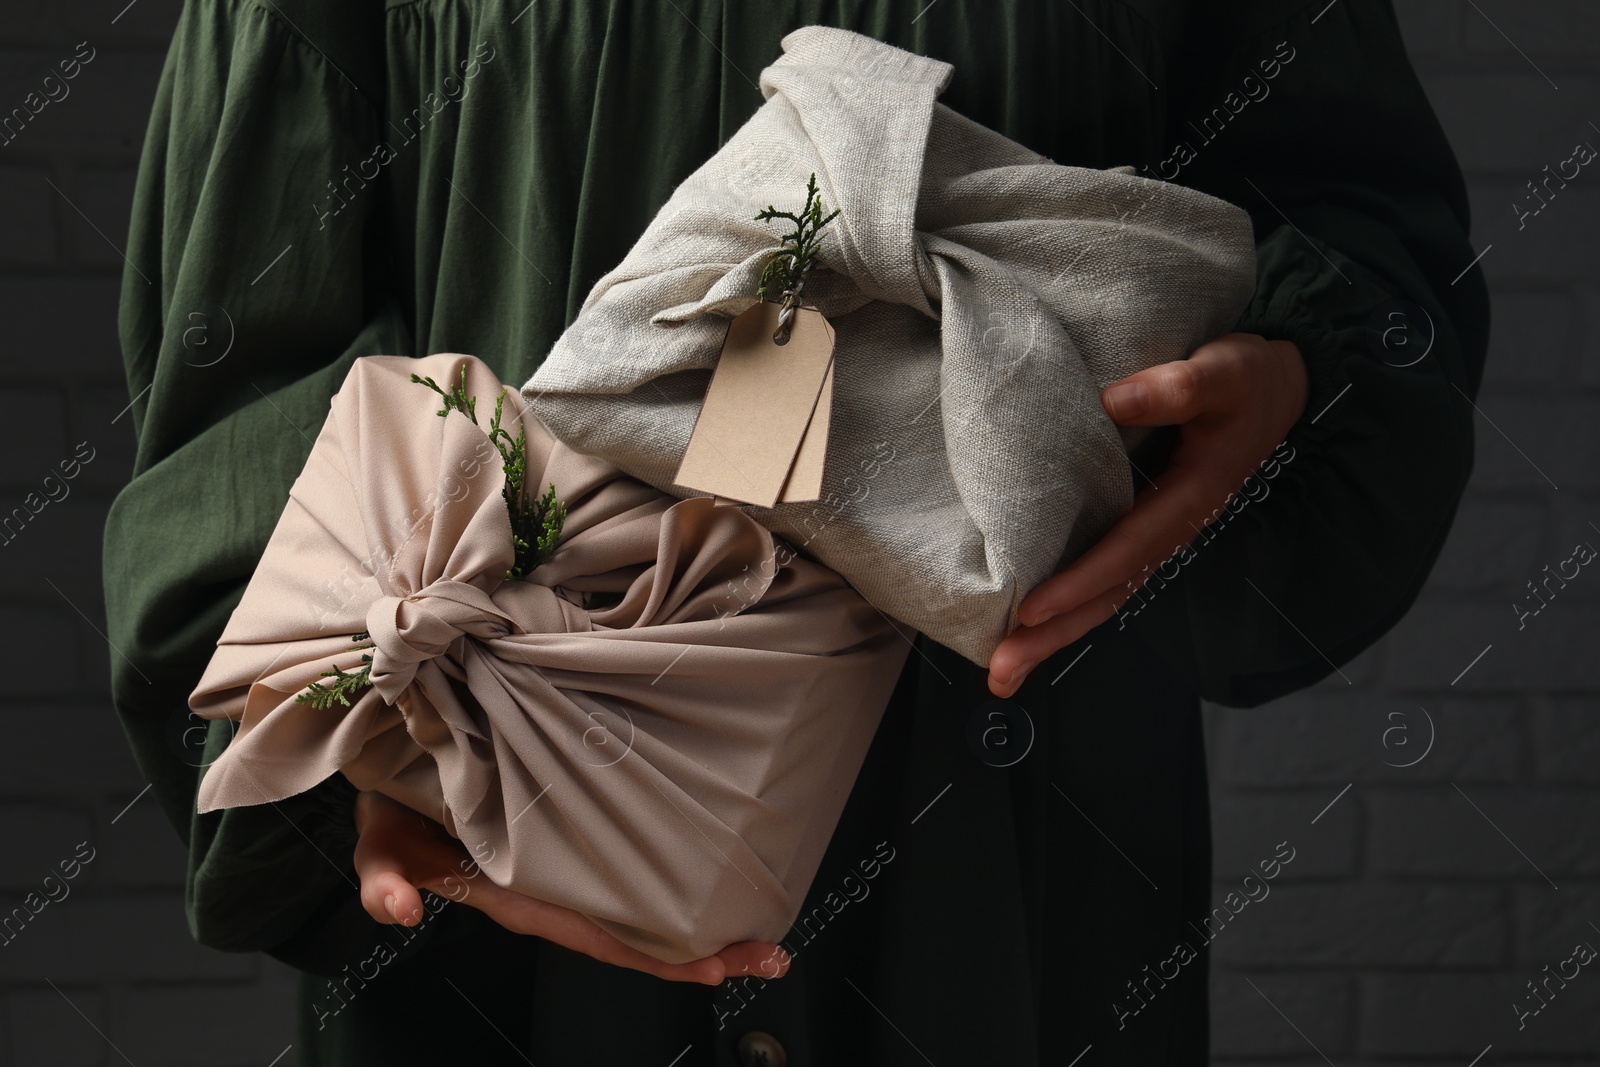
(789, 263)
(535, 525)
(535, 529)
(322, 697)
(456, 398)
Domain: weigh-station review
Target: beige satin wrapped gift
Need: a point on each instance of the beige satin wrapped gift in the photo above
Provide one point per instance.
(653, 728)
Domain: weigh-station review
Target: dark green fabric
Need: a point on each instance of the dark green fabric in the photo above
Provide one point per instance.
(1019, 902)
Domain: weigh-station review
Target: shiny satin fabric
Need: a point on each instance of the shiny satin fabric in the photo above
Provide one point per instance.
(657, 727)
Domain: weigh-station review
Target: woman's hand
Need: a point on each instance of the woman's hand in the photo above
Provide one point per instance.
(401, 852)
(1235, 399)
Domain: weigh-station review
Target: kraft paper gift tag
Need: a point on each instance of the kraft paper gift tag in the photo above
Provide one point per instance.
(762, 433)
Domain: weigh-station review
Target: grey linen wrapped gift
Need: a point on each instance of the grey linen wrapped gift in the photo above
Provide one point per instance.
(982, 296)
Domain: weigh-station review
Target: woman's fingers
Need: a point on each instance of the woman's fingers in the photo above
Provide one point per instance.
(399, 854)
(1234, 398)
(755, 957)
(570, 930)
(1026, 647)
(575, 931)
(387, 890)
(390, 898)
(1158, 524)
(395, 854)
(1214, 378)
(1067, 605)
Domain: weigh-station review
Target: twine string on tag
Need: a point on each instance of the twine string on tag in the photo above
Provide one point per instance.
(791, 304)
(786, 268)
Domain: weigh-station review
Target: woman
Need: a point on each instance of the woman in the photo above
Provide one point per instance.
(323, 182)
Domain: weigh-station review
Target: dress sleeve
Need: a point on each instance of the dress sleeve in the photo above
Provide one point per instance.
(251, 286)
(1317, 125)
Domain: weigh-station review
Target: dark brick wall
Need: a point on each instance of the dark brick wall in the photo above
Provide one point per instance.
(1421, 898)
(113, 955)
(1421, 902)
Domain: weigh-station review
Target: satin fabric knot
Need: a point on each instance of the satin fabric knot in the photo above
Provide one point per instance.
(408, 631)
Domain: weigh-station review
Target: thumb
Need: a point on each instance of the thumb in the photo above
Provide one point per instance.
(386, 893)
(389, 898)
(1213, 378)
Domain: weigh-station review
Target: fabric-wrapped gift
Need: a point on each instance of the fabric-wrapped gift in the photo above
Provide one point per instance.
(657, 727)
(981, 295)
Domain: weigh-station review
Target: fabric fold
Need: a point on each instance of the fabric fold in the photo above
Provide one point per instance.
(657, 727)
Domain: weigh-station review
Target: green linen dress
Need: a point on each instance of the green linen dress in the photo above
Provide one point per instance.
(322, 182)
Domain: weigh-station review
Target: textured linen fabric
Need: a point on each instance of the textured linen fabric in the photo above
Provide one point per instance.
(1005, 927)
(981, 297)
(695, 708)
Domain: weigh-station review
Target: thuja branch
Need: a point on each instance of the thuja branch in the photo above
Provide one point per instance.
(787, 265)
(536, 524)
(456, 398)
(322, 696)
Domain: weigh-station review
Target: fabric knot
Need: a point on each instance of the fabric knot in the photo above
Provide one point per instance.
(408, 631)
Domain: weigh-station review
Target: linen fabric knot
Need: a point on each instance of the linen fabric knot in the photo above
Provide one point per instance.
(982, 296)
(658, 727)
